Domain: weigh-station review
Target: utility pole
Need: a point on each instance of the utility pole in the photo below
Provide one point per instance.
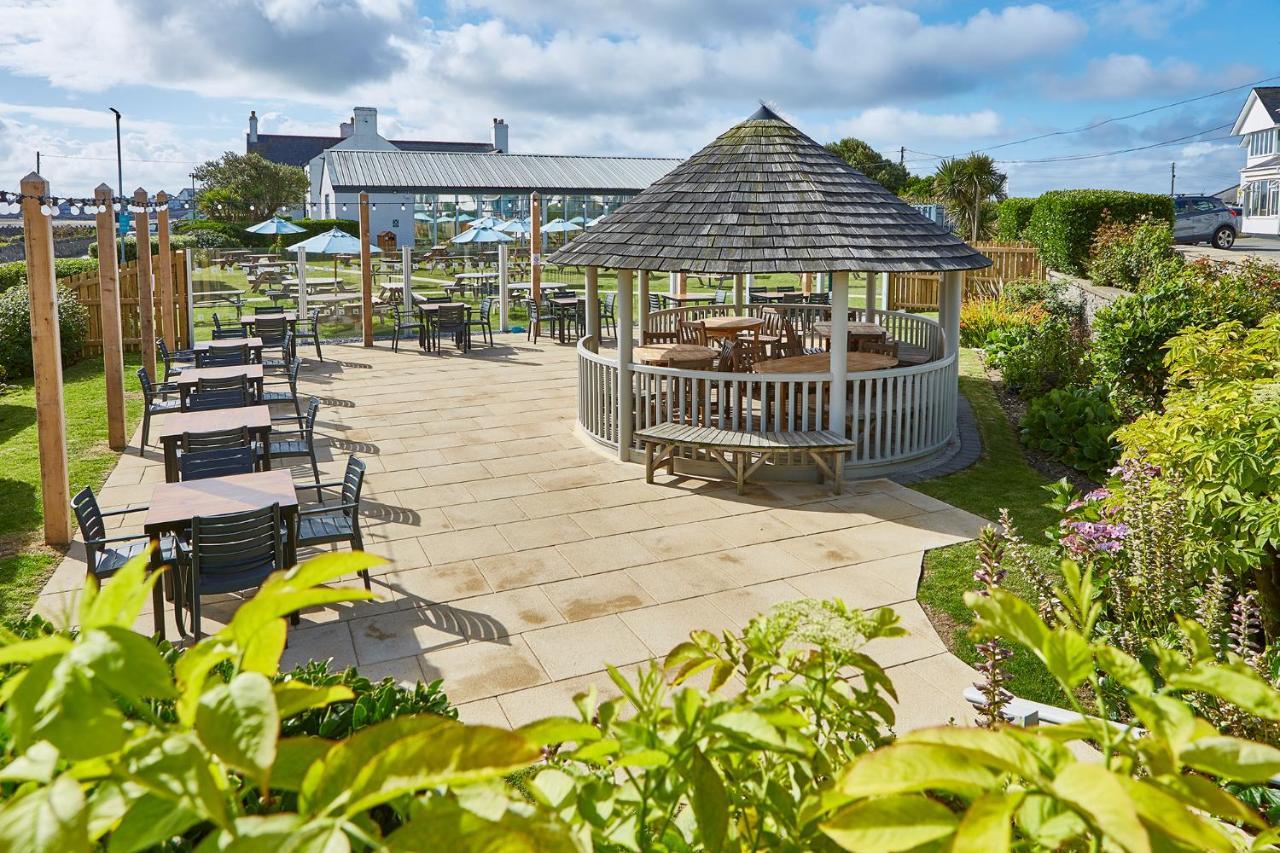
(120, 184)
(37, 162)
(902, 155)
(1173, 176)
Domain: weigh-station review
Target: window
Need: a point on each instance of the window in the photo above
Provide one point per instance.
(1204, 205)
(1262, 198)
(1262, 142)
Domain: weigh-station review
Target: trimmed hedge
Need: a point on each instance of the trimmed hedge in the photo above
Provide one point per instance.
(235, 230)
(176, 241)
(15, 330)
(1063, 221)
(14, 273)
(1012, 216)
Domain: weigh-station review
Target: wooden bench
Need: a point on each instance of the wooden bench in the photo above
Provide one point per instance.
(662, 441)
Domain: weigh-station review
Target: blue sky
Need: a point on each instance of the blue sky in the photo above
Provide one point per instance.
(661, 77)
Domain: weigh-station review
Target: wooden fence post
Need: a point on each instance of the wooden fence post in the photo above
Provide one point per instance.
(366, 272)
(46, 357)
(164, 275)
(146, 294)
(109, 315)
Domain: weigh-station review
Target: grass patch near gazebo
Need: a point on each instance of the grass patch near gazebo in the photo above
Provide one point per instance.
(1001, 478)
(24, 563)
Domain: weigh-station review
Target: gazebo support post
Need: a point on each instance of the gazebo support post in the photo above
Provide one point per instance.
(737, 294)
(949, 309)
(46, 358)
(302, 283)
(749, 281)
(806, 283)
(112, 336)
(504, 295)
(146, 293)
(871, 297)
(682, 283)
(673, 283)
(884, 292)
(593, 307)
(164, 274)
(626, 405)
(644, 306)
(366, 272)
(535, 248)
(406, 281)
(839, 349)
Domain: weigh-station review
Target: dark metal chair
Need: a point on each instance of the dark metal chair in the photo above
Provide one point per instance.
(173, 361)
(224, 439)
(301, 441)
(483, 320)
(223, 356)
(233, 392)
(220, 462)
(538, 314)
(451, 320)
(405, 323)
(154, 403)
(230, 553)
(291, 395)
(308, 331)
(609, 314)
(105, 555)
(328, 524)
(228, 333)
(722, 297)
(266, 310)
(655, 302)
(432, 298)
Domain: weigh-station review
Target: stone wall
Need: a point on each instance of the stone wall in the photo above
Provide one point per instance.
(76, 248)
(1095, 297)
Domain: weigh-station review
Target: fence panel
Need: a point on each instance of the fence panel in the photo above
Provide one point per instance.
(918, 291)
(89, 295)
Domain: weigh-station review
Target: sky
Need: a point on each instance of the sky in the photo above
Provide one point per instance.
(638, 77)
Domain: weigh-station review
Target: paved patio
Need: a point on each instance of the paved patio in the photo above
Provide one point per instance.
(524, 559)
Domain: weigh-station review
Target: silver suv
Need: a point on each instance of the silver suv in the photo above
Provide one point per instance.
(1203, 219)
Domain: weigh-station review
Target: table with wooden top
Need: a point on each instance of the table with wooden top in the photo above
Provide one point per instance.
(174, 505)
(872, 332)
(857, 362)
(254, 346)
(774, 295)
(687, 356)
(686, 298)
(186, 380)
(563, 306)
(731, 325)
(255, 419)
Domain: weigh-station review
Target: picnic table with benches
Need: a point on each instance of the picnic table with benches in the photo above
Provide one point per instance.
(663, 440)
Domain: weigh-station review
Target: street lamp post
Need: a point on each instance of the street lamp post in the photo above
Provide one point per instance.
(119, 182)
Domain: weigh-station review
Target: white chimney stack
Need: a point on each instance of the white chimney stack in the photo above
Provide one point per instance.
(500, 142)
(344, 129)
(365, 121)
(253, 125)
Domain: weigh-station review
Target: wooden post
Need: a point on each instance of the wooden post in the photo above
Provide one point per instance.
(46, 357)
(190, 324)
(682, 283)
(806, 283)
(626, 416)
(366, 271)
(164, 274)
(593, 306)
(644, 307)
(839, 349)
(535, 248)
(737, 294)
(112, 335)
(146, 293)
(869, 313)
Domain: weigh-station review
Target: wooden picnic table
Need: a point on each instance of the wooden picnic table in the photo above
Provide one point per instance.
(688, 356)
(683, 298)
(174, 505)
(857, 362)
(729, 326)
(255, 419)
(187, 379)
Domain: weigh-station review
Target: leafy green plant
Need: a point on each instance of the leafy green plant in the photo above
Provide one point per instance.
(1074, 426)
(980, 318)
(1036, 359)
(1012, 217)
(15, 329)
(1063, 222)
(14, 273)
(372, 702)
(1125, 255)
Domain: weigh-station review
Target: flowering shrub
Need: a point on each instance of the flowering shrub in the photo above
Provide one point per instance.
(981, 318)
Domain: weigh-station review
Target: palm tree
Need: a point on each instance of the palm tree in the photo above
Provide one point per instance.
(963, 184)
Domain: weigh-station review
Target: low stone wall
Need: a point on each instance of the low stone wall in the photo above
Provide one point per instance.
(1095, 297)
(77, 248)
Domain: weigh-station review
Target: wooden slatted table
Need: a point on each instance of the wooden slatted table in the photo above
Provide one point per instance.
(186, 380)
(856, 362)
(730, 326)
(255, 419)
(675, 355)
(662, 441)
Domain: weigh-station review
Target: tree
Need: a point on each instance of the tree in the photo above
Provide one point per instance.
(919, 189)
(966, 185)
(861, 156)
(236, 187)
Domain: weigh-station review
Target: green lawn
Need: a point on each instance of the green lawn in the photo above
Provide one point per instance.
(24, 561)
(1001, 478)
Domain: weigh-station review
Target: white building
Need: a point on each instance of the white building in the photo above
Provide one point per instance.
(1259, 127)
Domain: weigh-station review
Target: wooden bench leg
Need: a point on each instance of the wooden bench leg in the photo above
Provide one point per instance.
(671, 460)
(648, 461)
(740, 460)
(839, 466)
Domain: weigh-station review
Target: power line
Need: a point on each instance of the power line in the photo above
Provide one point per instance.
(1096, 154)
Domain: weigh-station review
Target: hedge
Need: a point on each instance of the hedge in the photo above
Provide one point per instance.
(1012, 216)
(236, 230)
(15, 330)
(14, 273)
(1063, 221)
(176, 241)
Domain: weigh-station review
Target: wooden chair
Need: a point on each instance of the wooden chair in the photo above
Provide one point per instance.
(693, 332)
(889, 348)
(771, 333)
(340, 522)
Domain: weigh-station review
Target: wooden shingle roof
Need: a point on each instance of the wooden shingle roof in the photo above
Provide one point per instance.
(761, 198)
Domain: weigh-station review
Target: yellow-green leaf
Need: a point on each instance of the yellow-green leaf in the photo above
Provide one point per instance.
(710, 802)
(1099, 796)
(51, 819)
(890, 824)
(910, 767)
(1241, 687)
(993, 748)
(987, 826)
(1167, 816)
(239, 723)
(294, 697)
(1233, 758)
(294, 757)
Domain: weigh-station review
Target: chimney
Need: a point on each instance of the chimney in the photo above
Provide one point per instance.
(344, 129)
(500, 136)
(253, 126)
(365, 121)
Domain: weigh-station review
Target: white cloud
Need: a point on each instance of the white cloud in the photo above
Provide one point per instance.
(1128, 75)
(894, 123)
(1150, 19)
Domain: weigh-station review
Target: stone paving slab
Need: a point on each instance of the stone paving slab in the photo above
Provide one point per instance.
(524, 558)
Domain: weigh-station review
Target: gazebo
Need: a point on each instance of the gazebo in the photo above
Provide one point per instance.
(765, 198)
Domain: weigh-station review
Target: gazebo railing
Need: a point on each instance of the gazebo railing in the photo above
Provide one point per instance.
(598, 393)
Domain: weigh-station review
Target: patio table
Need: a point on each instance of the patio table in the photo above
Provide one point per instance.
(688, 356)
(689, 298)
(772, 295)
(562, 306)
(174, 505)
(857, 362)
(187, 379)
(255, 419)
(254, 345)
(730, 326)
(873, 332)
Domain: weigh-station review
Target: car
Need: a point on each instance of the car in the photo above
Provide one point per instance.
(1204, 219)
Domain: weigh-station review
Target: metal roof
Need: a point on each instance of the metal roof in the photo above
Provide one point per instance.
(435, 172)
(763, 197)
(299, 150)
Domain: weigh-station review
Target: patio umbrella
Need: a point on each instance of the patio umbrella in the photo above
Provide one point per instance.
(422, 216)
(579, 220)
(486, 222)
(275, 225)
(482, 235)
(596, 221)
(332, 242)
(560, 226)
(515, 226)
